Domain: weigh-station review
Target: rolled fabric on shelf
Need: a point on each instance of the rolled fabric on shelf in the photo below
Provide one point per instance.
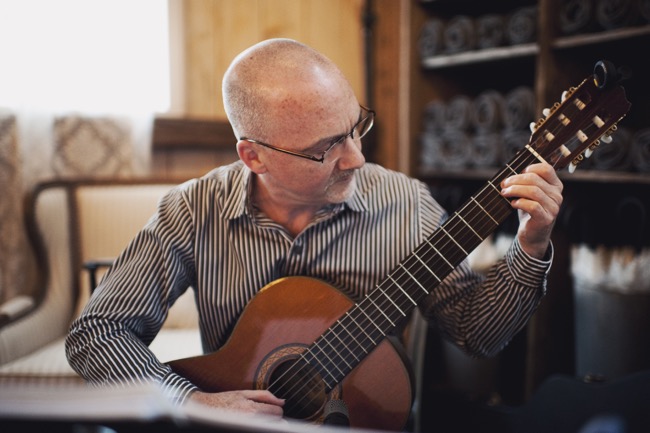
(640, 150)
(576, 16)
(488, 108)
(522, 26)
(432, 41)
(430, 143)
(434, 116)
(614, 156)
(485, 148)
(512, 142)
(460, 34)
(454, 150)
(519, 108)
(614, 14)
(458, 113)
(448, 150)
(490, 31)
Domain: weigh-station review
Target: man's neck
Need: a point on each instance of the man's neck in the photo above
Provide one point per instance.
(292, 215)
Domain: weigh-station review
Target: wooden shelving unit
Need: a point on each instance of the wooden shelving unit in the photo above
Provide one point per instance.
(550, 64)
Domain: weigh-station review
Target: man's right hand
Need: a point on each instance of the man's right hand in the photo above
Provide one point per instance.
(251, 401)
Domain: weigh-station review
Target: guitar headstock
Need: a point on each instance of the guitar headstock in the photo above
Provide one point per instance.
(574, 127)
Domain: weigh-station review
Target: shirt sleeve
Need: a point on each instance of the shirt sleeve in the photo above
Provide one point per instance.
(108, 343)
(482, 313)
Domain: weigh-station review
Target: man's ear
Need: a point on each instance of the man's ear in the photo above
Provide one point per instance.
(249, 156)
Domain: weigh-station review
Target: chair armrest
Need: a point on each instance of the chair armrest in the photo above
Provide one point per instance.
(14, 308)
(92, 266)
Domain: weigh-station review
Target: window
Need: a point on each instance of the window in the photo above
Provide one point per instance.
(85, 55)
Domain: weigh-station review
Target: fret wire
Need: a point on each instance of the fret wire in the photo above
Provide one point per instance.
(340, 324)
(327, 356)
(326, 340)
(470, 227)
(392, 302)
(452, 238)
(372, 321)
(428, 241)
(427, 267)
(345, 345)
(361, 328)
(381, 311)
(483, 209)
(400, 287)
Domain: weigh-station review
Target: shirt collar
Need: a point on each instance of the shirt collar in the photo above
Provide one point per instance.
(239, 201)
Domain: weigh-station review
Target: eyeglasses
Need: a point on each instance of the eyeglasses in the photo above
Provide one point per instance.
(359, 130)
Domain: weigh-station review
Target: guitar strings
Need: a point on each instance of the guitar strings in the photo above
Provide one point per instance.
(522, 159)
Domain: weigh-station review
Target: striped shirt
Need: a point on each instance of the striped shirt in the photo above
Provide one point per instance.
(207, 235)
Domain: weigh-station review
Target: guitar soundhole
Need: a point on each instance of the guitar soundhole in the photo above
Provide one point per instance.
(301, 386)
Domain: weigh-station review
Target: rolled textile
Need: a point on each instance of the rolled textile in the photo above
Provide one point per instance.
(513, 141)
(449, 150)
(458, 113)
(454, 150)
(640, 150)
(522, 26)
(490, 31)
(460, 34)
(576, 16)
(614, 14)
(431, 41)
(430, 143)
(485, 149)
(487, 113)
(614, 156)
(519, 108)
(434, 116)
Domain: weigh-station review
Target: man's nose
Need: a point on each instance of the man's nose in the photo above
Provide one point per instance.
(350, 154)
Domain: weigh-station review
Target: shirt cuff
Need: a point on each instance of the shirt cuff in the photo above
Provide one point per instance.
(526, 269)
(177, 388)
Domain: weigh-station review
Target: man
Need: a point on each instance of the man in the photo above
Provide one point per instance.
(301, 201)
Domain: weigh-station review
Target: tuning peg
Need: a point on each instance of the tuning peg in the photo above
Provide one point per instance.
(606, 138)
(546, 112)
(532, 126)
(572, 167)
(565, 94)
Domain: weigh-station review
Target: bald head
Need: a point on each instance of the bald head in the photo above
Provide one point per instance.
(270, 84)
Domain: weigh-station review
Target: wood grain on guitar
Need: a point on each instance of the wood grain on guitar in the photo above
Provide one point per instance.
(306, 342)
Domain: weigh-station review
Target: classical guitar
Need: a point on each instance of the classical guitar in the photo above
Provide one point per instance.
(306, 342)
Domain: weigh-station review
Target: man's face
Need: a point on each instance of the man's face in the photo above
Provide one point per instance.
(311, 131)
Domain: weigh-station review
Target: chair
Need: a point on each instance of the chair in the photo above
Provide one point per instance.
(70, 223)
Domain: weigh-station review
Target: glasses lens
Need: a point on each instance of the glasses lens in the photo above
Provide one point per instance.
(364, 126)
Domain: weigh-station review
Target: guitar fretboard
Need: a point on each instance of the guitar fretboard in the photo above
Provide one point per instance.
(364, 326)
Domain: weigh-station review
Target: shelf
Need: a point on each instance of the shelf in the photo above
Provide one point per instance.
(476, 56)
(598, 38)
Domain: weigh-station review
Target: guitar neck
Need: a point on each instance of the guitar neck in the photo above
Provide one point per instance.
(365, 325)
(587, 113)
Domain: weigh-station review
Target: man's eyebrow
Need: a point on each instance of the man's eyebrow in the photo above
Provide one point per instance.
(329, 140)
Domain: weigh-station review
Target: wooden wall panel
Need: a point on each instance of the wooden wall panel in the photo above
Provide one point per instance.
(215, 31)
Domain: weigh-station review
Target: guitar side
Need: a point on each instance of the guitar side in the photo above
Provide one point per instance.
(286, 316)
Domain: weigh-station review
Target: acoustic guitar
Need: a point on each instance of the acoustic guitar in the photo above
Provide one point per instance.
(308, 343)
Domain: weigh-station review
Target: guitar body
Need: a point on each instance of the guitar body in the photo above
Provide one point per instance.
(283, 319)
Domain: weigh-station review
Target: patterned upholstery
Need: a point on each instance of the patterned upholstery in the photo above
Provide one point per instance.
(92, 147)
(13, 244)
